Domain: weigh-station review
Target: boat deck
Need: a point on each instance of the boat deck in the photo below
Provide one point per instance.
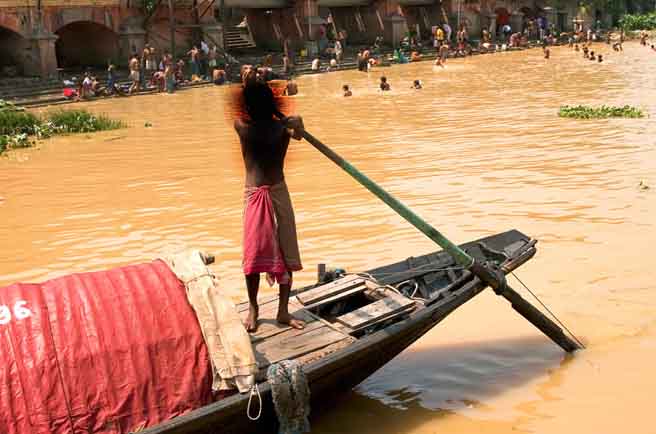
(328, 325)
(274, 342)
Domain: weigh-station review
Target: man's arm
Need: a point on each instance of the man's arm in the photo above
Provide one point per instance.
(295, 125)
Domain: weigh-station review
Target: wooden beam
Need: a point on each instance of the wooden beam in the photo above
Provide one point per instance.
(172, 27)
(207, 8)
(330, 289)
(375, 312)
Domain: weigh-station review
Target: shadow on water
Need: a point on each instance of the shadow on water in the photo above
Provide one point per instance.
(433, 383)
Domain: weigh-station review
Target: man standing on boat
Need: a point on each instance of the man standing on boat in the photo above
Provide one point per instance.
(270, 243)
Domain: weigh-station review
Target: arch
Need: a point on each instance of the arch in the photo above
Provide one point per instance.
(86, 44)
(14, 49)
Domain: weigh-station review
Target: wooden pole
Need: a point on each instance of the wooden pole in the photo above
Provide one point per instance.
(172, 28)
(488, 274)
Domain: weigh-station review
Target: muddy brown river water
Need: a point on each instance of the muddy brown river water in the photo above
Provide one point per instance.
(479, 150)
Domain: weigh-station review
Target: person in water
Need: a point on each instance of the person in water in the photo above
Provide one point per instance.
(218, 76)
(270, 241)
(416, 84)
(547, 53)
(600, 58)
(292, 87)
(384, 85)
(347, 90)
(444, 53)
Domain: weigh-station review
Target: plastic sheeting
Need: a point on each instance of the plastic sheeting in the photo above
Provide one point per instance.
(105, 352)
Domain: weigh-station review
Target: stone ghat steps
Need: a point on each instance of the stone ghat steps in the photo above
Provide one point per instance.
(58, 100)
(36, 86)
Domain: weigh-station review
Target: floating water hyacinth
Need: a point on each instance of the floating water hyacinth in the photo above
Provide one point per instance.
(603, 112)
(18, 126)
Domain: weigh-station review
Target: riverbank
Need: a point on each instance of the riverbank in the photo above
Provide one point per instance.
(51, 94)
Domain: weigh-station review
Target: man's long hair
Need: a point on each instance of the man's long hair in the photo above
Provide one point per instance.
(259, 101)
(254, 101)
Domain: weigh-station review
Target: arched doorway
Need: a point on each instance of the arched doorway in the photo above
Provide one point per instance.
(13, 51)
(86, 44)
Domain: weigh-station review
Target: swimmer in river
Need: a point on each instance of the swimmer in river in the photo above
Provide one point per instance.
(576, 47)
(444, 53)
(292, 87)
(416, 84)
(600, 58)
(347, 90)
(384, 85)
(585, 51)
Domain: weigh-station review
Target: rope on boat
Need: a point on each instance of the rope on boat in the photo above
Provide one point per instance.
(394, 289)
(291, 396)
(549, 310)
(255, 391)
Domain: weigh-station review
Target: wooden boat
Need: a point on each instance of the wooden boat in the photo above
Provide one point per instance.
(355, 325)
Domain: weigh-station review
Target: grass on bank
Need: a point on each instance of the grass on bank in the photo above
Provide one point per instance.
(603, 112)
(19, 128)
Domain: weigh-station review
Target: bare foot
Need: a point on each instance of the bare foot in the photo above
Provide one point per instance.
(251, 321)
(289, 320)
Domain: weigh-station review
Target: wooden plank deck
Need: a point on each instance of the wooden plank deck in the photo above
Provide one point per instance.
(268, 326)
(380, 310)
(330, 290)
(274, 342)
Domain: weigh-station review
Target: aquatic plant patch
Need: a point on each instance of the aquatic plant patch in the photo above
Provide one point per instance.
(17, 122)
(18, 127)
(603, 112)
(81, 121)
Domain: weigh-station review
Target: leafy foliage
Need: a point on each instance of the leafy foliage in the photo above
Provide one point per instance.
(603, 112)
(17, 122)
(17, 126)
(81, 121)
(639, 22)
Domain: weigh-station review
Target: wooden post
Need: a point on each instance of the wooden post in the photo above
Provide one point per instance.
(172, 28)
(197, 32)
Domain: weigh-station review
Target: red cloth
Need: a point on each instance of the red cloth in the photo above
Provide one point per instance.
(70, 93)
(262, 252)
(109, 351)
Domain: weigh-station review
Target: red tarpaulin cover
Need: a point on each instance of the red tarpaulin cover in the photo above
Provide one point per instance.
(108, 352)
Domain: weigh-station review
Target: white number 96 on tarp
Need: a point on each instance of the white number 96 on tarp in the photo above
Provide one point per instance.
(19, 312)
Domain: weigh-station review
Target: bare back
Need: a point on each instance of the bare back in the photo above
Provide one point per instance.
(263, 147)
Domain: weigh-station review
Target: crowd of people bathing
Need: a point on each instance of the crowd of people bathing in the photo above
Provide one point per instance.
(149, 70)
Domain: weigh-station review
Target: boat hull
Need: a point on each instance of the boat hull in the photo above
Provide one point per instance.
(344, 369)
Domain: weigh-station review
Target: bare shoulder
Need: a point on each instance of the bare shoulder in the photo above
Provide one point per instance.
(240, 126)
